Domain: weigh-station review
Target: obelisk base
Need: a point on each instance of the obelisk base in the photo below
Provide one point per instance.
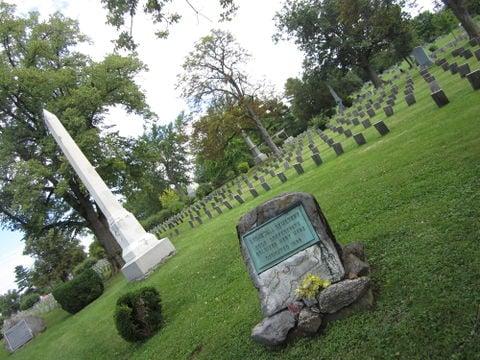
(143, 264)
(259, 158)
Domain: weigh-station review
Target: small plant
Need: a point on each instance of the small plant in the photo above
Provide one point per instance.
(138, 314)
(74, 295)
(243, 167)
(28, 301)
(311, 286)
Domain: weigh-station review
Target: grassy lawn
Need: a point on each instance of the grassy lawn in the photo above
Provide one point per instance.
(413, 197)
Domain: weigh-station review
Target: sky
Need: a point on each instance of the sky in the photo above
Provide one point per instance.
(252, 26)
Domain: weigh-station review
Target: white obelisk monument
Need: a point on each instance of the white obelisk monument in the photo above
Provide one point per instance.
(141, 251)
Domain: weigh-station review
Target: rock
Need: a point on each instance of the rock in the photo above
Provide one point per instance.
(273, 330)
(342, 294)
(354, 267)
(296, 307)
(277, 285)
(356, 249)
(309, 321)
(365, 303)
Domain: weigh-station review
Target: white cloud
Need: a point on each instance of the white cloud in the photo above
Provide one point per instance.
(8, 262)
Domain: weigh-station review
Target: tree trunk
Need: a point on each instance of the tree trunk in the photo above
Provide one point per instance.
(408, 62)
(461, 12)
(372, 74)
(99, 226)
(263, 132)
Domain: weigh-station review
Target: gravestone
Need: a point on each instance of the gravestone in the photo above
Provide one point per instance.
(467, 54)
(355, 122)
(227, 205)
(366, 123)
(453, 68)
(282, 177)
(421, 57)
(253, 192)
(265, 186)
(440, 98)
(477, 54)
(359, 139)
(348, 133)
(445, 66)
(239, 199)
(463, 70)
(370, 112)
(388, 110)
(410, 99)
(298, 168)
(381, 128)
(337, 147)
(281, 241)
(23, 331)
(317, 159)
(474, 79)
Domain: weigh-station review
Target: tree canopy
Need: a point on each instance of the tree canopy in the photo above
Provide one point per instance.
(41, 68)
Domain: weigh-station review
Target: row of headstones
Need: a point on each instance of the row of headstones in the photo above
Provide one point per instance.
(464, 69)
(172, 223)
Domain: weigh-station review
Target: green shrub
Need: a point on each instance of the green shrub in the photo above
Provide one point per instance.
(243, 167)
(433, 47)
(203, 190)
(156, 219)
(138, 314)
(74, 295)
(84, 265)
(28, 301)
(319, 121)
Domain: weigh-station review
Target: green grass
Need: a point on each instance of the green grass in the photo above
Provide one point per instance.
(412, 197)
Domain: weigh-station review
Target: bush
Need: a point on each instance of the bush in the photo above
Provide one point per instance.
(243, 167)
(319, 121)
(433, 47)
(203, 190)
(138, 314)
(74, 295)
(28, 301)
(84, 265)
(156, 219)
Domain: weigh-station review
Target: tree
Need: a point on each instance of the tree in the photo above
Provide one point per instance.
(122, 12)
(460, 9)
(213, 73)
(9, 303)
(342, 33)
(23, 278)
(40, 68)
(55, 254)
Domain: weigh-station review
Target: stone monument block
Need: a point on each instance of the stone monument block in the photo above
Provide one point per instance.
(474, 79)
(281, 241)
(440, 98)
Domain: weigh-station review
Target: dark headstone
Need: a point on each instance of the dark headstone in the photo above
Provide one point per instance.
(381, 128)
(208, 213)
(467, 53)
(463, 70)
(359, 139)
(218, 210)
(337, 147)
(299, 159)
(474, 79)
(227, 205)
(190, 222)
(453, 68)
(355, 122)
(199, 219)
(253, 192)
(371, 112)
(298, 168)
(282, 177)
(317, 159)
(477, 54)
(440, 98)
(410, 99)
(265, 186)
(239, 199)
(348, 133)
(366, 123)
(388, 110)
(445, 66)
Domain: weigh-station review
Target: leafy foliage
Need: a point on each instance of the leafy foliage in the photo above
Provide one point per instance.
(138, 314)
(40, 68)
(84, 265)
(28, 301)
(342, 33)
(74, 295)
(122, 12)
(311, 286)
(9, 303)
(23, 278)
